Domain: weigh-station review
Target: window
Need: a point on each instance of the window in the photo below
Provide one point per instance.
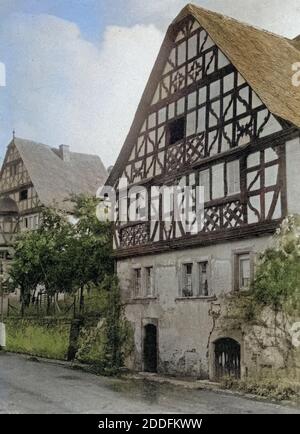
(176, 130)
(137, 282)
(233, 177)
(243, 272)
(218, 181)
(203, 279)
(187, 290)
(13, 170)
(204, 181)
(149, 280)
(123, 205)
(137, 209)
(23, 195)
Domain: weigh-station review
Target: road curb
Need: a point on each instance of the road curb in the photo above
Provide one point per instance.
(191, 384)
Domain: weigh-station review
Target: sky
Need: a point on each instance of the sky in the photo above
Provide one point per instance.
(76, 69)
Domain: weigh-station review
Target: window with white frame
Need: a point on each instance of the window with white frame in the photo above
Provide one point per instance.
(243, 273)
(149, 282)
(187, 290)
(233, 177)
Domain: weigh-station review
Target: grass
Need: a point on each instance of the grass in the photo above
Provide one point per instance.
(270, 388)
(38, 339)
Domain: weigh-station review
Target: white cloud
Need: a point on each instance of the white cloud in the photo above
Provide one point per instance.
(64, 89)
(279, 16)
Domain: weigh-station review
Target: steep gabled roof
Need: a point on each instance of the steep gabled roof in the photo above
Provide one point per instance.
(55, 179)
(264, 60)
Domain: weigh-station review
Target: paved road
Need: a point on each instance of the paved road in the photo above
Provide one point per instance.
(37, 387)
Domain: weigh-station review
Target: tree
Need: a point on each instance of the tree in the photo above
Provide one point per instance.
(41, 257)
(91, 249)
(63, 256)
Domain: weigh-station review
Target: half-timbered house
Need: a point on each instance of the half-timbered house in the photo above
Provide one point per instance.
(220, 111)
(34, 174)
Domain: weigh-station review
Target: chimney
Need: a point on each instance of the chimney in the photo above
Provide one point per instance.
(64, 151)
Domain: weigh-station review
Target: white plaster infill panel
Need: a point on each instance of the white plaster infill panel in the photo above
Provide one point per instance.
(293, 175)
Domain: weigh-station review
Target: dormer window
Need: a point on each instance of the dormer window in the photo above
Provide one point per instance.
(176, 130)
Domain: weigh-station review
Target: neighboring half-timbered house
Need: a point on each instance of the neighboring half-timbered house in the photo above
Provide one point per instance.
(34, 174)
(219, 111)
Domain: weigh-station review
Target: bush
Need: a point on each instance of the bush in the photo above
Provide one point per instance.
(267, 388)
(91, 345)
(277, 279)
(106, 345)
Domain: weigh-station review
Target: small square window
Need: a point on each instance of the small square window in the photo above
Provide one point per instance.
(187, 290)
(23, 195)
(176, 130)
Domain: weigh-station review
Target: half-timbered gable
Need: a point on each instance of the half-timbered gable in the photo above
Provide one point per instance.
(202, 120)
(34, 174)
(202, 107)
(16, 183)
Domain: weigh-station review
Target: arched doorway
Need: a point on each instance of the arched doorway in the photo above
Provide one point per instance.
(227, 358)
(150, 348)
